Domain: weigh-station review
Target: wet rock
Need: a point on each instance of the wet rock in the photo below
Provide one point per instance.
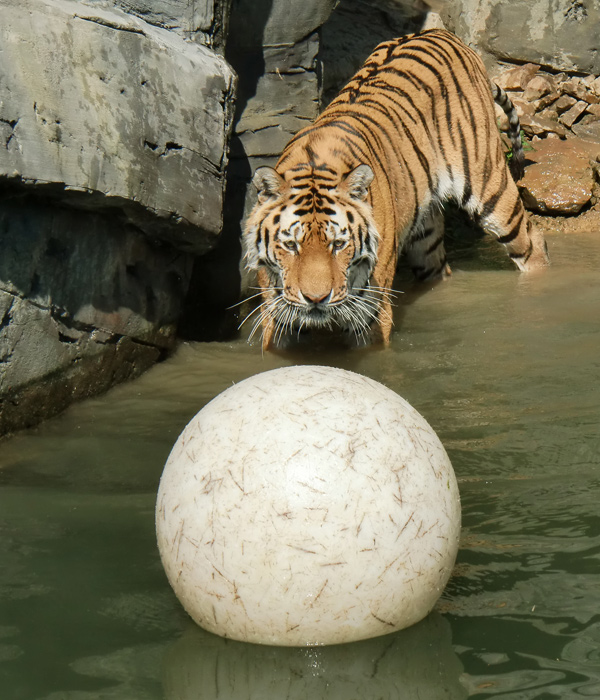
(140, 127)
(588, 222)
(560, 180)
(585, 223)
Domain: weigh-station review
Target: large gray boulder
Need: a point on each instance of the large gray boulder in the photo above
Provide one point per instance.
(101, 110)
(84, 303)
(560, 34)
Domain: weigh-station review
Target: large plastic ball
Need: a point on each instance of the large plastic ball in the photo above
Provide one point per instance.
(305, 506)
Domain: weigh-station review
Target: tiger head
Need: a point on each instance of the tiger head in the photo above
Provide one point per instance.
(313, 240)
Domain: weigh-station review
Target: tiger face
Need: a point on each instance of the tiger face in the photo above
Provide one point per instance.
(312, 239)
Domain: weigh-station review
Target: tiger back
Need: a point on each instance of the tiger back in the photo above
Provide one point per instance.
(366, 181)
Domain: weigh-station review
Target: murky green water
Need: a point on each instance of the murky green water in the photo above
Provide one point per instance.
(507, 370)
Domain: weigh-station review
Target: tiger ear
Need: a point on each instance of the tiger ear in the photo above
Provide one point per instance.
(357, 181)
(268, 182)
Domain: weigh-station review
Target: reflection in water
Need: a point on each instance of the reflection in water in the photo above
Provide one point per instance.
(505, 367)
(415, 663)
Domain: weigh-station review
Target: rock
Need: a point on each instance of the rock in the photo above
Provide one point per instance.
(585, 223)
(588, 132)
(517, 78)
(538, 124)
(551, 115)
(562, 35)
(537, 87)
(352, 32)
(522, 106)
(432, 21)
(205, 21)
(564, 103)
(524, 110)
(588, 222)
(141, 128)
(595, 87)
(574, 87)
(543, 102)
(560, 180)
(594, 109)
(273, 47)
(569, 117)
(78, 313)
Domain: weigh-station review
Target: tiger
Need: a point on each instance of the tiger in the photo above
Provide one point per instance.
(367, 180)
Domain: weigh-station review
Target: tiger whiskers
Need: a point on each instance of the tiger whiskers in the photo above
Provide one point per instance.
(356, 313)
(244, 301)
(284, 321)
(262, 312)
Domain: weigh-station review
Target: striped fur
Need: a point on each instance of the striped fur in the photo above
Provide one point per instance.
(414, 127)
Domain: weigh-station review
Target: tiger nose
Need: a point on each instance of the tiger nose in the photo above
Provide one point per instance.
(316, 297)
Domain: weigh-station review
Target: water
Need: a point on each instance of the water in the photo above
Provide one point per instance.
(507, 370)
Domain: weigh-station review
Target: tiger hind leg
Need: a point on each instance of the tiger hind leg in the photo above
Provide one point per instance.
(425, 250)
(504, 217)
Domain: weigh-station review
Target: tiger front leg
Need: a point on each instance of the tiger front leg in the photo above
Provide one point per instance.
(382, 295)
(385, 323)
(266, 319)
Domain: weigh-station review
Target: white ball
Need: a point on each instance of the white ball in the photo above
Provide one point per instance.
(307, 505)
